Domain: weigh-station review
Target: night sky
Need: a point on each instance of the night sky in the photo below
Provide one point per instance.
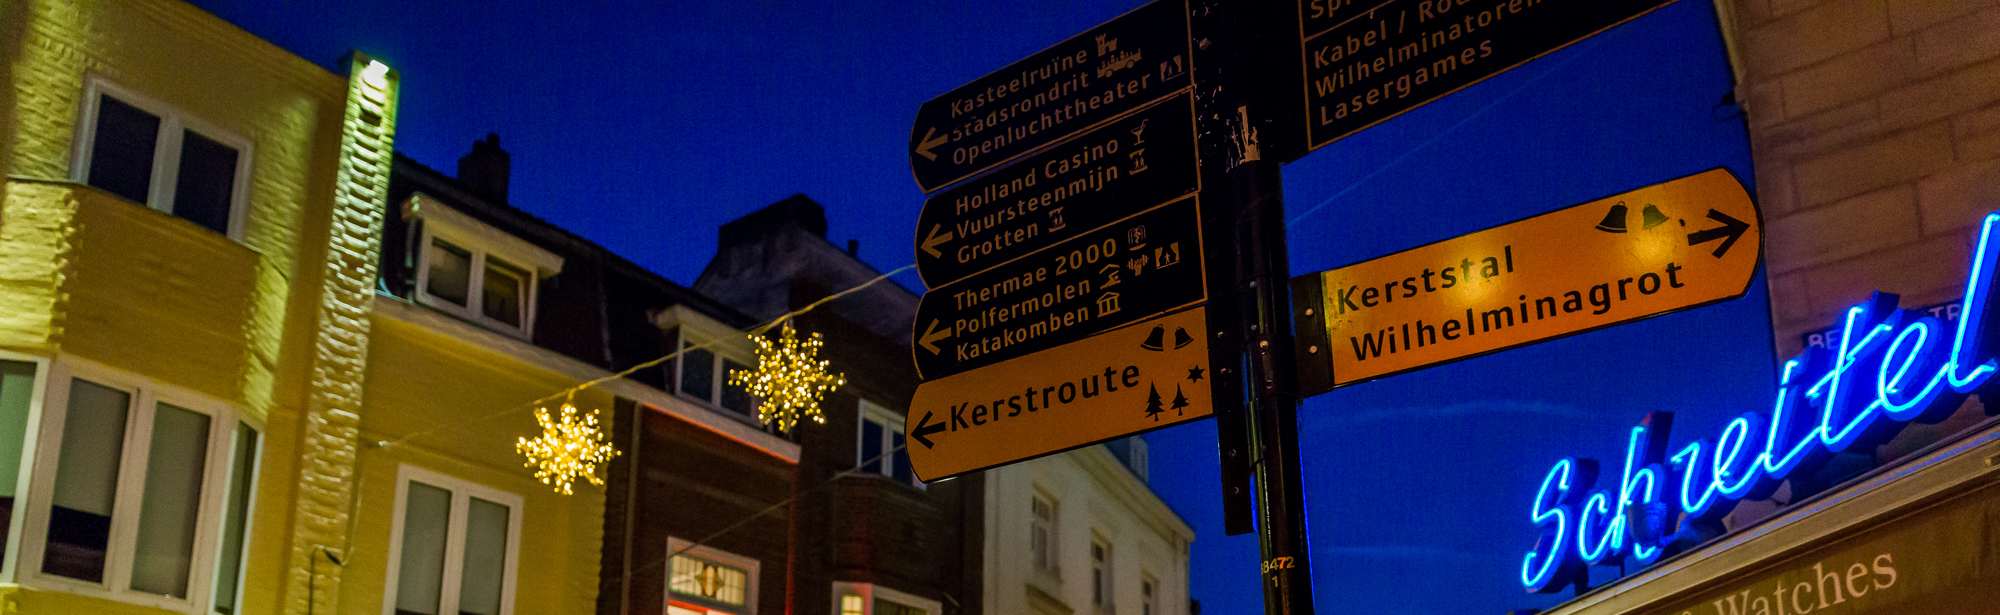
(645, 128)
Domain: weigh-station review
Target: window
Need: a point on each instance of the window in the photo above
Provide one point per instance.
(149, 153)
(1100, 574)
(474, 271)
(705, 580)
(1131, 452)
(19, 389)
(1042, 535)
(704, 377)
(882, 449)
(455, 545)
(141, 507)
(1147, 587)
(871, 599)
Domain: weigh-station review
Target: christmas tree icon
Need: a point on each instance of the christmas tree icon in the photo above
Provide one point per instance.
(1153, 409)
(1180, 401)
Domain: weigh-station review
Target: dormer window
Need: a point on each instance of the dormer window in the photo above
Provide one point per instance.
(471, 270)
(709, 350)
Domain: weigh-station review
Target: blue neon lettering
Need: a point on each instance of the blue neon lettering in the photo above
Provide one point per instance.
(1730, 458)
(1899, 349)
(1552, 512)
(1977, 285)
(1889, 387)
(1838, 386)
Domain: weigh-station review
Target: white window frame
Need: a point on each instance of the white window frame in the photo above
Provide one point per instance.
(1149, 594)
(1104, 582)
(699, 330)
(1053, 571)
(146, 394)
(870, 591)
(892, 424)
(480, 240)
(166, 148)
(24, 480)
(249, 514)
(685, 548)
(454, 545)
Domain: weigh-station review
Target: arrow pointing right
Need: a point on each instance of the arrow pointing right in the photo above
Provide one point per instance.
(925, 428)
(1731, 230)
(932, 241)
(932, 335)
(924, 146)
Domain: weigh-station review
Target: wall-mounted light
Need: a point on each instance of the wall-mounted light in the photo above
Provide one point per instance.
(376, 74)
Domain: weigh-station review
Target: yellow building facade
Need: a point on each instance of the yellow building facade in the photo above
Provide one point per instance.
(201, 410)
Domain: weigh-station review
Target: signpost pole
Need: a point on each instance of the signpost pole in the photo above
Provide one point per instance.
(1262, 288)
(1273, 411)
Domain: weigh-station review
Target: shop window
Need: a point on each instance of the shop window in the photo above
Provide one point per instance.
(704, 377)
(882, 447)
(455, 545)
(704, 580)
(134, 490)
(475, 272)
(149, 153)
(872, 599)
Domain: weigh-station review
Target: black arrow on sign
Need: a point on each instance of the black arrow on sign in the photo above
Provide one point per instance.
(1731, 230)
(925, 428)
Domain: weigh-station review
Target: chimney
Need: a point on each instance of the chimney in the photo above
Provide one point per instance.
(485, 170)
(793, 212)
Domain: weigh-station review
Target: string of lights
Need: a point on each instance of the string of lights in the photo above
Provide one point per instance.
(571, 447)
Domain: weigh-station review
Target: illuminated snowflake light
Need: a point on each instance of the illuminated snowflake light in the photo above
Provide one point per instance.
(790, 378)
(569, 448)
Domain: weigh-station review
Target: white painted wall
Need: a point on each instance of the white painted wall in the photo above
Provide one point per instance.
(1095, 495)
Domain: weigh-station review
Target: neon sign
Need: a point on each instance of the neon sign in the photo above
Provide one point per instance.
(1890, 367)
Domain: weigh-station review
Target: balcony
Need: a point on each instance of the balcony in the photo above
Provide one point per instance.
(86, 272)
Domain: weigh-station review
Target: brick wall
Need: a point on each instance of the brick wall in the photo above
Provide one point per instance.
(1875, 130)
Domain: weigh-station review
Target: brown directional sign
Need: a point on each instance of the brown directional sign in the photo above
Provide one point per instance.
(1368, 61)
(1124, 272)
(1110, 172)
(1666, 247)
(1103, 73)
(1142, 377)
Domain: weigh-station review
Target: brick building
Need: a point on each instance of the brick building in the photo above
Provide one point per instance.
(1875, 135)
(692, 518)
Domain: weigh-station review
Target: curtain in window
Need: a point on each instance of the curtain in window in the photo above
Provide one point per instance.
(420, 580)
(86, 481)
(17, 388)
(171, 503)
(485, 567)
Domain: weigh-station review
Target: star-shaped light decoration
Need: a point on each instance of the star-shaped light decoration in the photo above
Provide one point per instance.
(790, 378)
(569, 448)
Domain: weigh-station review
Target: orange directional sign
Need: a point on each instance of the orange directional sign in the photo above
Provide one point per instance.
(1122, 382)
(1666, 247)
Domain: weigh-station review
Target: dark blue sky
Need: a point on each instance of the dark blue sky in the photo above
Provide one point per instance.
(644, 128)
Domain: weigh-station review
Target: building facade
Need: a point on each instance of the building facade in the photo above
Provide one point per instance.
(494, 308)
(1080, 532)
(1875, 133)
(189, 231)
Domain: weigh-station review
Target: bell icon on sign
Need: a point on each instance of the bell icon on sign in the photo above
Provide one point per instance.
(1614, 220)
(1652, 217)
(1156, 339)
